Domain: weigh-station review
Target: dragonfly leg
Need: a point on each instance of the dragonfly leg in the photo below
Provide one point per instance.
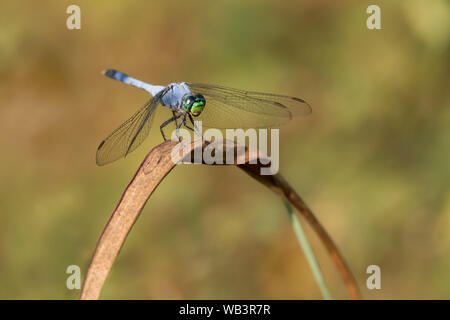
(186, 125)
(179, 125)
(176, 122)
(195, 127)
(165, 123)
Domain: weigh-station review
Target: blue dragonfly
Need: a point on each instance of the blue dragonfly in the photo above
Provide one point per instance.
(227, 108)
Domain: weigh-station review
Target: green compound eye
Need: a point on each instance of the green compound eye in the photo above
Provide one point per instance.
(188, 102)
(199, 105)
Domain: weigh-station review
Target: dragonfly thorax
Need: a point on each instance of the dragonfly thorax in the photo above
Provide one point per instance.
(174, 94)
(178, 96)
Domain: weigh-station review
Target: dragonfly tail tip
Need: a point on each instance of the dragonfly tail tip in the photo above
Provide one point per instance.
(109, 72)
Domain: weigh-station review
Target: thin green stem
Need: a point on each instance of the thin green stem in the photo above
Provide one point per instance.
(306, 247)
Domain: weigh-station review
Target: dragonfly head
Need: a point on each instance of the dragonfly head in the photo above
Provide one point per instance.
(194, 104)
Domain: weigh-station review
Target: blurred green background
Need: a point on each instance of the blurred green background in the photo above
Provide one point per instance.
(372, 161)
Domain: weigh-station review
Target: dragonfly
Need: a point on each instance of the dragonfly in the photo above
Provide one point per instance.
(216, 106)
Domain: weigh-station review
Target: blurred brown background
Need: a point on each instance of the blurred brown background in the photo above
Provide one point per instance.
(372, 161)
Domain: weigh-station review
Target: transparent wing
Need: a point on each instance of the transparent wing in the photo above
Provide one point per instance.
(128, 136)
(234, 108)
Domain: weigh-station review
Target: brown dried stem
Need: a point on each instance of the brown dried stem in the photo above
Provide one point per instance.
(156, 165)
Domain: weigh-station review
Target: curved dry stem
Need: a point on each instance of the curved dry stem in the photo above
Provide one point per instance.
(280, 186)
(156, 165)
